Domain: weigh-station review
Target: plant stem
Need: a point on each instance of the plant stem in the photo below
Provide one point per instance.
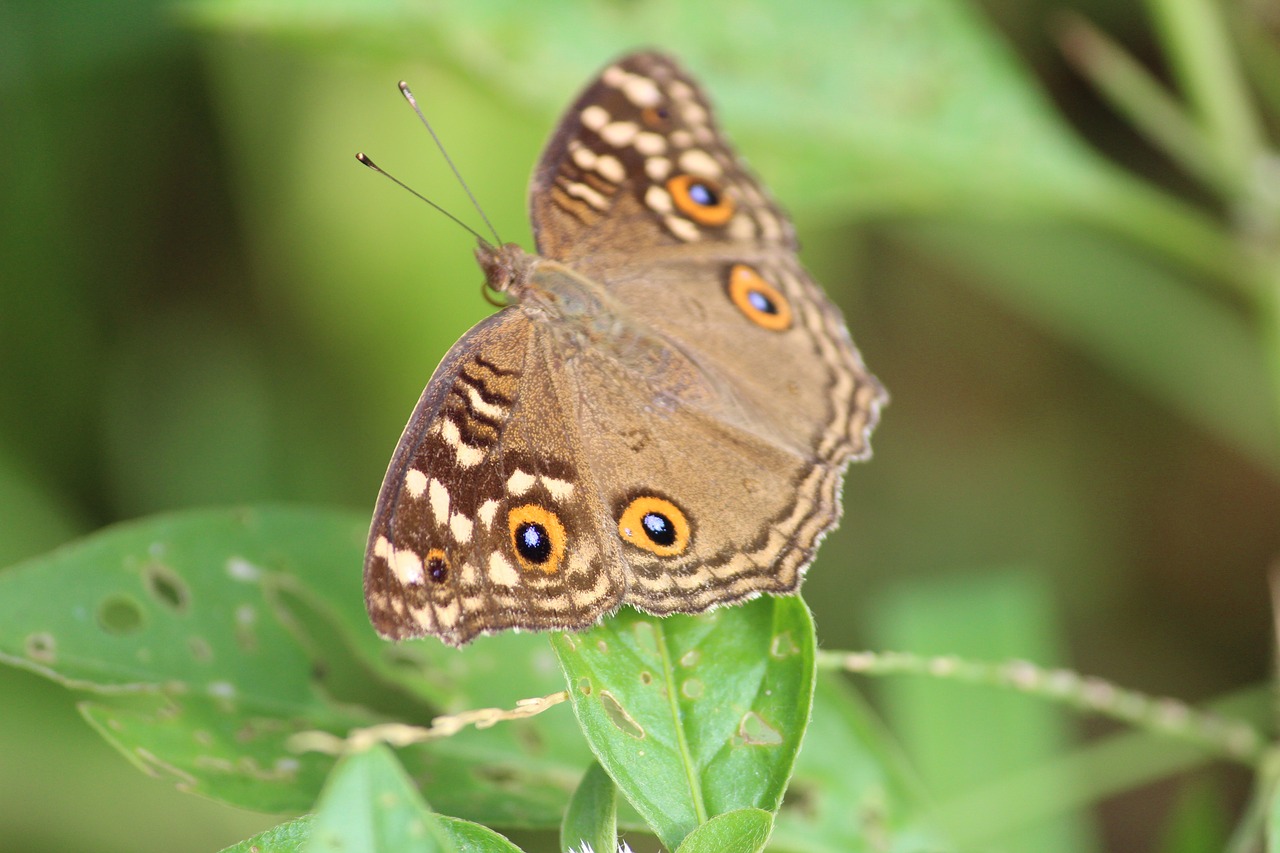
(1230, 739)
(1136, 94)
(1153, 218)
(1260, 56)
(1268, 305)
(1203, 58)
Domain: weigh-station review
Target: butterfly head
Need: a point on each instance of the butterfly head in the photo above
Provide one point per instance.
(506, 267)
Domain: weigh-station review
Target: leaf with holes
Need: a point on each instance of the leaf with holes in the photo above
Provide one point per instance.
(208, 638)
(522, 771)
(242, 757)
(181, 599)
(226, 748)
(492, 671)
(695, 716)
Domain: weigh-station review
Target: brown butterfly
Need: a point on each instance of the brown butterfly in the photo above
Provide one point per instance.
(661, 417)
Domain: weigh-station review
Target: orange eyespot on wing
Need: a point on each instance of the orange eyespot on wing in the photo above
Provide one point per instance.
(701, 199)
(761, 302)
(538, 538)
(436, 565)
(655, 525)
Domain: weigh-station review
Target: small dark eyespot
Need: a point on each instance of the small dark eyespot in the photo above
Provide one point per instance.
(761, 302)
(657, 118)
(701, 199)
(437, 570)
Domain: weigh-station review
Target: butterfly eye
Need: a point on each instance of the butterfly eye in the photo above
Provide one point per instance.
(656, 525)
(436, 565)
(538, 537)
(701, 199)
(763, 303)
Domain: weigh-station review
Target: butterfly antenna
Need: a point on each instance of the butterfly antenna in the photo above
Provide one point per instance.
(413, 102)
(372, 165)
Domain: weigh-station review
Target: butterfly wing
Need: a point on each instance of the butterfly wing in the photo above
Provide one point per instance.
(614, 179)
(752, 466)
(476, 511)
(639, 190)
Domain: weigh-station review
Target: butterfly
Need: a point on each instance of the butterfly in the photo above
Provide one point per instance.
(660, 417)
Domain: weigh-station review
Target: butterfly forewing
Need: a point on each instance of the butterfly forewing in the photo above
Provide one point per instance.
(477, 460)
(638, 164)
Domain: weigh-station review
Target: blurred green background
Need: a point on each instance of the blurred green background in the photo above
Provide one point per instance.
(206, 301)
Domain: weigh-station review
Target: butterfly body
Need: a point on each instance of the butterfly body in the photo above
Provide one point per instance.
(661, 416)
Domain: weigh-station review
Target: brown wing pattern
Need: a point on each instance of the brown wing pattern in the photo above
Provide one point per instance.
(628, 164)
(472, 467)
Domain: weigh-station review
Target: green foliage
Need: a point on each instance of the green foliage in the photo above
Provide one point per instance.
(289, 837)
(369, 805)
(200, 656)
(196, 641)
(745, 830)
(695, 717)
(592, 816)
(935, 111)
(207, 303)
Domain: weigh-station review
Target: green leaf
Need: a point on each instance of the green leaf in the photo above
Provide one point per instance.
(208, 638)
(695, 716)
(852, 791)
(288, 837)
(470, 837)
(172, 624)
(592, 816)
(924, 104)
(370, 806)
(183, 599)
(292, 837)
(741, 831)
(229, 750)
(240, 755)
(962, 738)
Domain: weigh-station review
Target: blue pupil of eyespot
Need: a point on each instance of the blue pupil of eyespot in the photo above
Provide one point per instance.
(761, 303)
(703, 195)
(533, 543)
(659, 528)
